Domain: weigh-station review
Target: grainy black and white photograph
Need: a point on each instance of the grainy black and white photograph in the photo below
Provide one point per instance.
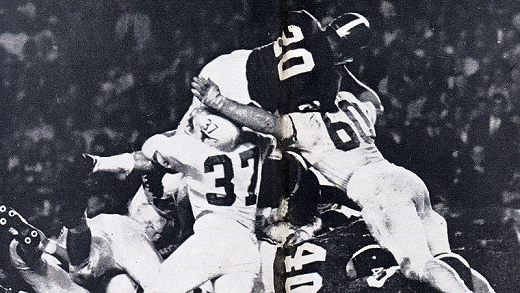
(244, 146)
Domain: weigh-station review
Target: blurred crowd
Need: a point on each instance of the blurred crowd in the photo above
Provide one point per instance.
(449, 79)
(101, 76)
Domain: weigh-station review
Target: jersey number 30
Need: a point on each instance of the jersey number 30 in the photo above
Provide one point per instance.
(294, 61)
(229, 197)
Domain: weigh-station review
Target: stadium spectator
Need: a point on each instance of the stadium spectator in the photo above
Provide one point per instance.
(494, 152)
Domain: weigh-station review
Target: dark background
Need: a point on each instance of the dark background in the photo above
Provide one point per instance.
(101, 76)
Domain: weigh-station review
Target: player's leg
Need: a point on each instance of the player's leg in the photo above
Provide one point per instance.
(79, 240)
(207, 254)
(403, 235)
(33, 242)
(72, 189)
(43, 275)
(79, 236)
(388, 197)
(192, 264)
(473, 279)
(142, 210)
(480, 284)
(436, 230)
(435, 225)
(268, 255)
(235, 283)
(437, 236)
(131, 250)
(30, 256)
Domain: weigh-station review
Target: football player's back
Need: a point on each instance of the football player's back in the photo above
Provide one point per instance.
(220, 183)
(295, 71)
(338, 143)
(221, 168)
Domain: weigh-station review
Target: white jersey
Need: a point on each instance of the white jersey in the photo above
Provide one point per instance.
(224, 184)
(338, 143)
(222, 188)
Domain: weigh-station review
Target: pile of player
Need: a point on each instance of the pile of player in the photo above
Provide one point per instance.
(276, 154)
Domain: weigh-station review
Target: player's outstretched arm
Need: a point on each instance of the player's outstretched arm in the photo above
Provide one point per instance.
(250, 116)
(123, 163)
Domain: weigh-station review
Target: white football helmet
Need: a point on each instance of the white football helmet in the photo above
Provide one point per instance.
(214, 130)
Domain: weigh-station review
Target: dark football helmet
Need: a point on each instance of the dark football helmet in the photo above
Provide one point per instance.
(348, 34)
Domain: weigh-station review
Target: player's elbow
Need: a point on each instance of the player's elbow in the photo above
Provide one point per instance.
(141, 161)
(282, 127)
(271, 125)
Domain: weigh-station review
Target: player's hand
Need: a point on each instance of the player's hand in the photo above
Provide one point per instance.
(207, 92)
(152, 181)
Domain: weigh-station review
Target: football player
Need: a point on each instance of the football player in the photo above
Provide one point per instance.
(297, 71)
(222, 181)
(44, 263)
(283, 189)
(340, 145)
(39, 260)
(110, 242)
(337, 138)
(344, 258)
(110, 253)
(318, 241)
(220, 166)
(326, 245)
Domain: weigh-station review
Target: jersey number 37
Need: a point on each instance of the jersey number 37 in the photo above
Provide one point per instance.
(229, 196)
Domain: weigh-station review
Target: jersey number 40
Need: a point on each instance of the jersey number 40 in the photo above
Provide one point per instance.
(310, 282)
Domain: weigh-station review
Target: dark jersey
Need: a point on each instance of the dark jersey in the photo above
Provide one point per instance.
(340, 261)
(296, 72)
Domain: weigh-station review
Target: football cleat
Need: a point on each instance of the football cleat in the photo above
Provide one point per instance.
(25, 232)
(5, 289)
(4, 224)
